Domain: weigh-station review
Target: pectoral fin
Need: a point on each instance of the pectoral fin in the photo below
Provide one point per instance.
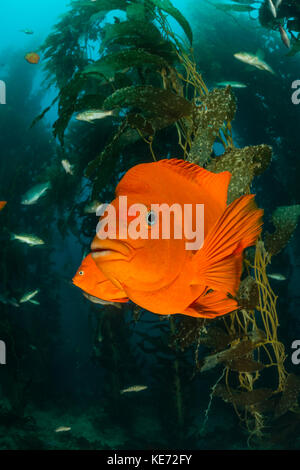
(219, 261)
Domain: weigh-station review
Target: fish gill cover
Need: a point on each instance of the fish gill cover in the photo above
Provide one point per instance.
(147, 72)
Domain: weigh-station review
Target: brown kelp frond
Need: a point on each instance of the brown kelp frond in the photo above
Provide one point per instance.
(212, 117)
(289, 398)
(248, 295)
(244, 164)
(285, 220)
(239, 349)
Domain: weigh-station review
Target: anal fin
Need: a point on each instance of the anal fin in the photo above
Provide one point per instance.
(212, 305)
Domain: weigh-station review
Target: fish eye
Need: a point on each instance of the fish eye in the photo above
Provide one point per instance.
(81, 273)
(151, 218)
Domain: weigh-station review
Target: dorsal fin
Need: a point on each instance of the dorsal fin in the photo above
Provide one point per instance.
(215, 184)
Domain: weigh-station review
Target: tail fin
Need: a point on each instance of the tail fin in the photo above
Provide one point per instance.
(219, 261)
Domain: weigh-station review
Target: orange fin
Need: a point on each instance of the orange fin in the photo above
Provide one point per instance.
(215, 184)
(211, 305)
(219, 261)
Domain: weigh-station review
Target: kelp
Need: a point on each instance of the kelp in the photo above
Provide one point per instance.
(153, 102)
(238, 349)
(285, 220)
(244, 364)
(146, 34)
(161, 109)
(107, 66)
(248, 295)
(100, 168)
(69, 103)
(289, 398)
(243, 399)
(66, 50)
(244, 164)
(215, 109)
(167, 7)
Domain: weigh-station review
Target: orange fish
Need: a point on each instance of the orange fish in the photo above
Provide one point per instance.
(2, 205)
(160, 274)
(91, 280)
(32, 58)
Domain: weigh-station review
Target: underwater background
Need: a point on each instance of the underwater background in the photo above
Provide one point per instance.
(229, 383)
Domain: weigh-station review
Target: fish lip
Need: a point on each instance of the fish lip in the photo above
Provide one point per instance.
(113, 249)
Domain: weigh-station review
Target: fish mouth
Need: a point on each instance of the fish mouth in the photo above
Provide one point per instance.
(109, 250)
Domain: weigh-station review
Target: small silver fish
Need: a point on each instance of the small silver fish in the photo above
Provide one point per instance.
(98, 301)
(67, 167)
(31, 240)
(277, 4)
(92, 114)
(277, 277)
(27, 31)
(254, 61)
(272, 8)
(33, 195)
(63, 429)
(29, 296)
(91, 207)
(134, 388)
(232, 84)
(284, 37)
